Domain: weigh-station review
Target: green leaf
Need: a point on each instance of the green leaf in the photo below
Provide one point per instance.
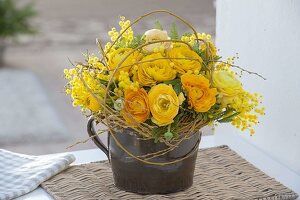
(174, 32)
(177, 88)
(173, 82)
(204, 116)
(216, 58)
(228, 118)
(176, 120)
(188, 34)
(137, 41)
(176, 83)
(158, 25)
(223, 113)
(225, 120)
(196, 48)
(103, 82)
(157, 132)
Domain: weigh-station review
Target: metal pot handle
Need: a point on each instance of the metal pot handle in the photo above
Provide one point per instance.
(92, 133)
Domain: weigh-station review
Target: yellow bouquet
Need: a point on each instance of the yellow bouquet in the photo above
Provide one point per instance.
(162, 84)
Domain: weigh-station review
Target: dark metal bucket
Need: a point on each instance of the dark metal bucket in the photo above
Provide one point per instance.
(135, 176)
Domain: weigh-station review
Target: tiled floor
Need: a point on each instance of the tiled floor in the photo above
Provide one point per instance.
(69, 27)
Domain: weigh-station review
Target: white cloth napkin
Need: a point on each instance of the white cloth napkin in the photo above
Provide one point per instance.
(20, 174)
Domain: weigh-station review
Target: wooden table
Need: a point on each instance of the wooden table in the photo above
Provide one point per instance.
(254, 155)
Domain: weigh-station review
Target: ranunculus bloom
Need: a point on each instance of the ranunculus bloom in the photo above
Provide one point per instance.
(117, 56)
(156, 35)
(92, 103)
(136, 106)
(149, 73)
(226, 83)
(164, 104)
(184, 65)
(200, 96)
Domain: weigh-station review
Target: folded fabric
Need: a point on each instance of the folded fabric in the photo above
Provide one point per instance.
(20, 174)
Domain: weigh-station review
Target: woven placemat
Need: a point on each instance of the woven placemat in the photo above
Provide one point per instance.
(220, 174)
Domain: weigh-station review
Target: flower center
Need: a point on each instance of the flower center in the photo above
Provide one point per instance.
(197, 93)
(137, 106)
(164, 102)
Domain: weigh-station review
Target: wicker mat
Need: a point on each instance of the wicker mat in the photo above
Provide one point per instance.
(220, 174)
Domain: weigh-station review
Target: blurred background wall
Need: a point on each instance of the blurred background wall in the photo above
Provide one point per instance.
(65, 29)
(267, 36)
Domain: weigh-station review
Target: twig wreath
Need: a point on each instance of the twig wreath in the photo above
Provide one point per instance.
(164, 88)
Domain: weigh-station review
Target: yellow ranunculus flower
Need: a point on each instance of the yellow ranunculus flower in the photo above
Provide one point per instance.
(226, 83)
(200, 96)
(92, 103)
(164, 104)
(184, 65)
(136, 106)
(149, 73)
(117, 56)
